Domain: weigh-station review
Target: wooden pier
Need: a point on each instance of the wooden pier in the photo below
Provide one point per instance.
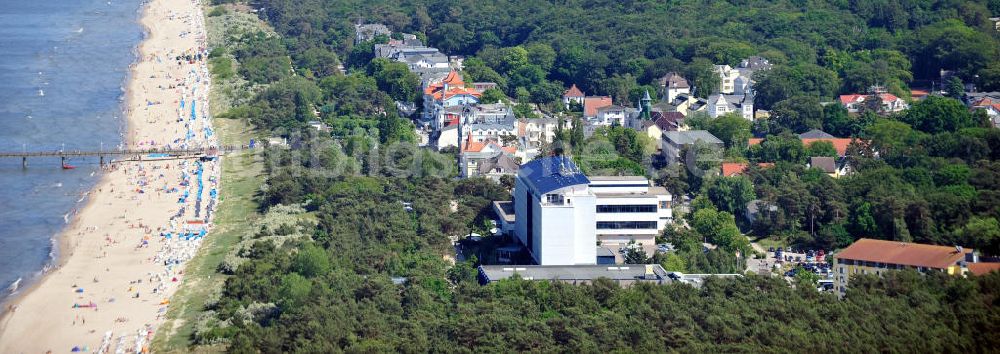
(130, 154)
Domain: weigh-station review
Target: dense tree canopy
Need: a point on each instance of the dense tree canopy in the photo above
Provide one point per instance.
(366, 269)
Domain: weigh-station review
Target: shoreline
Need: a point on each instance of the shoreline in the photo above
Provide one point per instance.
(78, 244)
(61, 242)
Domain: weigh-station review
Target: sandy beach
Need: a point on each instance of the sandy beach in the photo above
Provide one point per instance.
(123, 254)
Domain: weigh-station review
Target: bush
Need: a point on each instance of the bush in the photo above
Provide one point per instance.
(217, 11)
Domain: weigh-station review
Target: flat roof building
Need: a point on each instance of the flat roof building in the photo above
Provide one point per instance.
(561, 214)
(577, 274)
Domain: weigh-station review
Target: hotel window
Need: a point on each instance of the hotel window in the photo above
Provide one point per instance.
(630, 208)
(610, 225)
(665, 204)
(554, 199)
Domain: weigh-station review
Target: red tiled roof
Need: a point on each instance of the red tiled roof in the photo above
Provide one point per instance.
(903, 253)
(886, 97)
(983, 268)
(573, 92)
(476, 146)
(457, 91)
(915, 93)
(730, 169)
(839, 144)
(592, 103)
(983, 102)
(454, 79)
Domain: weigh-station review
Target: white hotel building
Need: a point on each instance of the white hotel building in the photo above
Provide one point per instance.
(563, 217)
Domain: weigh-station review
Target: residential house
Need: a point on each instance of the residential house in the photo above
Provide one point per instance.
(592, 103)
(611, 115)
(674, 141)
(839, 144)
(727, 79)
(869, 256)
(486, 159)
(744, 82)
(573, 94)
(367, 32)
(826, 164)
(889, 103)
(563, 217)
(996, 23)
(499, 165)
(672, 85)
(687, 104)
(450, 91)
(730, 169)
(490, 122)
(816, 134)
(665, 122)
(991, 106)
(719, 104)
(535, 132)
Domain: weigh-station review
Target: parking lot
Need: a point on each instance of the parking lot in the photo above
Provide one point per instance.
(788, 261)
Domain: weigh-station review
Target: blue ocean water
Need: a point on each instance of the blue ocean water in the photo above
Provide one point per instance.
(63, 64)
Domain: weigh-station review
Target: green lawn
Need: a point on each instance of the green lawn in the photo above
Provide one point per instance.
(772, 241)
(241, 179)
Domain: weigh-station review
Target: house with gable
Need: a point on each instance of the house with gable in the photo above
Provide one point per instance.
(992, 107)
(721, 104)
(674, 84)
(447, 93)
(888, 103)
(727, 78)
(573, 94)
(592, 103)
(487, 158)
(687, 103)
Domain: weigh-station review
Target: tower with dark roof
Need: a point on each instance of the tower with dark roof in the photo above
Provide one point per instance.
(646, 106)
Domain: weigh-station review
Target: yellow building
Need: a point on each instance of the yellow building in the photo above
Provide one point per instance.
(868, 256)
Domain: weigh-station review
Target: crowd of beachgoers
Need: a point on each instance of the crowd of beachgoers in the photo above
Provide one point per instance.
(125, 251)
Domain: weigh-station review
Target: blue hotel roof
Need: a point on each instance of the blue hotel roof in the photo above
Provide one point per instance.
(551, 173)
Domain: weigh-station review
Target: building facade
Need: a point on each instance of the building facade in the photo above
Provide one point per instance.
(868, 256)
(563, 217)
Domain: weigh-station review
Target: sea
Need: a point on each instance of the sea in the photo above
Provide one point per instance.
(63, 66)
